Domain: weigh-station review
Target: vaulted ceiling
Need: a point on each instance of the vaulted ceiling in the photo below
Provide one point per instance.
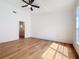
(45, 5)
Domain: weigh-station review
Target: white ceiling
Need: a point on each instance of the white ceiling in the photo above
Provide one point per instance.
(45, 5)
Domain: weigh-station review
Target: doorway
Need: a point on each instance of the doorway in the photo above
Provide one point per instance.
(21, 29)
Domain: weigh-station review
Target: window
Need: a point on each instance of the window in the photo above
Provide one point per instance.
(77, 25)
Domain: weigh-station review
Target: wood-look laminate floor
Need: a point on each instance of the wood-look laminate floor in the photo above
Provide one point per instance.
(36, 49)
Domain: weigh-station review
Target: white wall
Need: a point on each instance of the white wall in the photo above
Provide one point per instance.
(9, 22)
(57, 25)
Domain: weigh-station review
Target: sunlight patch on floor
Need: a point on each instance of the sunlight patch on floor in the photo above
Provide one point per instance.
(56, 51)
(49, 54)
(60, 56)
(54, 45)
(65, 51)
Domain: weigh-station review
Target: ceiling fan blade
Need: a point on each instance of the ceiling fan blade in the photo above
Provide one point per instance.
(35, 6)
(31, 9)
(25, 1)
(25, 6)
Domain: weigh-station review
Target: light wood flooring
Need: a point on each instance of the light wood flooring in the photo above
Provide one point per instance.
(33, 48)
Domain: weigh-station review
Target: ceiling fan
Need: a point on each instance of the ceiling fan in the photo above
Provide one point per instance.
(30, 4)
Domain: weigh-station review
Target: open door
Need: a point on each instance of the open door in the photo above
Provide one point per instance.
(21, 29)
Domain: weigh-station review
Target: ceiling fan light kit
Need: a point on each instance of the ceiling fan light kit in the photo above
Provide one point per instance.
(30, 4)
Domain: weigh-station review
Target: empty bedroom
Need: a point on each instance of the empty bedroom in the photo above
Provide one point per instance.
(39, 29)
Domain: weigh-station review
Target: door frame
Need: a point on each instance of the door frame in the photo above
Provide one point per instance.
(21, 29)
